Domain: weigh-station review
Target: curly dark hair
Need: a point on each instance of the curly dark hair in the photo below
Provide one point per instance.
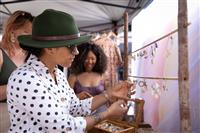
(77, 66)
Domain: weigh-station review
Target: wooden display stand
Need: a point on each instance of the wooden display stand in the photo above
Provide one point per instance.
(139, 112)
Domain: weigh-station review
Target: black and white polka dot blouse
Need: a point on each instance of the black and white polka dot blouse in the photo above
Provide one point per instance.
(37, 104)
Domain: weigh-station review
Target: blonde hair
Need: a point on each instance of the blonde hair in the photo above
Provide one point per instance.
(17, 20)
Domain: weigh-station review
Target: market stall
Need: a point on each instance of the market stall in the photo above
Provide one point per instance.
(94, 16)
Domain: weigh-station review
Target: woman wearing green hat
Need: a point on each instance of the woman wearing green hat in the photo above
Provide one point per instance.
(39, 96)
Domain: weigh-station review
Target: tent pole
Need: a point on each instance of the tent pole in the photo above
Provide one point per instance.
(7, 9)
(183, 72)
(14, 1)
(125, 46)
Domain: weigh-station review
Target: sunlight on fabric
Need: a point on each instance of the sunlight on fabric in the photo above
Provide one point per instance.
(150, 21)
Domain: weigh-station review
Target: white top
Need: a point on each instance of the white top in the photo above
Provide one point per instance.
(37, 104)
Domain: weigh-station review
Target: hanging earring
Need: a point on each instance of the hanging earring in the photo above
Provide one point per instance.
(12, 38)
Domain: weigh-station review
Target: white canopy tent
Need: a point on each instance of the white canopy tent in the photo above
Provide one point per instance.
(90, 15)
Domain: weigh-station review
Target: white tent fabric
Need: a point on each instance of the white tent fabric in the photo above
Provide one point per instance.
(90, 15)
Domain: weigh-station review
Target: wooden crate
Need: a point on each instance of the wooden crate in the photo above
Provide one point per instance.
(105, 127)
(129, 127)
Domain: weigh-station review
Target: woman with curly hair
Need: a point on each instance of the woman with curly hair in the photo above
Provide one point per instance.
(86, 72)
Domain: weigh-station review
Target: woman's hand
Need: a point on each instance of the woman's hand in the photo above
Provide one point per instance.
(117, 109)
(83, 95)
(122, 91)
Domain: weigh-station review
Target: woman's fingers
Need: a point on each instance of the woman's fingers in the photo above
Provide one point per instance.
(128, 85)
(84, 95)
(131, 93)
(123, 105)
(88, 94)
(125, 98)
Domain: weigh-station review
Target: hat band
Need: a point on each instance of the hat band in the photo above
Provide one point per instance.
(56, 38)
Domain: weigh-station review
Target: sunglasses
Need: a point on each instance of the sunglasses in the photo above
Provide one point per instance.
(73, 49)
(24, 16)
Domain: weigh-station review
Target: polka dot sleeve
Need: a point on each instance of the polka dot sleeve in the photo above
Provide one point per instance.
(37, 104)
(80, 107)
(77, 107)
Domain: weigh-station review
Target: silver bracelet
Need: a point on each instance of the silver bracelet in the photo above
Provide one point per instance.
(105, 94)
(97, 118)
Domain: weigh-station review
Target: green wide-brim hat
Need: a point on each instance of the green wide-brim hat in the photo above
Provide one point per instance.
(52, 29)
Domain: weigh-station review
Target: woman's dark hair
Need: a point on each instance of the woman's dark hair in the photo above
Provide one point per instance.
(100, 67)
(35, 51)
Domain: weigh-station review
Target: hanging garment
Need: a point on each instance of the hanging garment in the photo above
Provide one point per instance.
(113, 54)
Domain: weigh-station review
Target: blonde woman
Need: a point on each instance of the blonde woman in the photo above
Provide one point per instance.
(11, 56)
